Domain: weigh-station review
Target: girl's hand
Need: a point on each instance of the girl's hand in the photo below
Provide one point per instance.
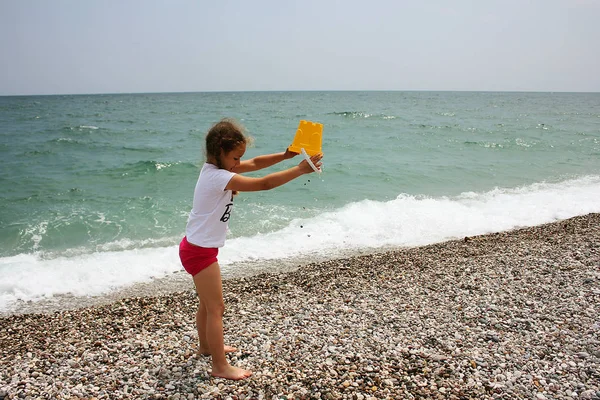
(289, 154)
(316, 160)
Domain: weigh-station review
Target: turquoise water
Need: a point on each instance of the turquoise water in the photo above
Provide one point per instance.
(87, 180)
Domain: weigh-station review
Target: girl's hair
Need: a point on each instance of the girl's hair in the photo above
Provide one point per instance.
(223, 137)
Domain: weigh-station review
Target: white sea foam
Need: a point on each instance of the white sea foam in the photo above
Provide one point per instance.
(414, 221)
(29, 277)
(37, 233)
(404, 221)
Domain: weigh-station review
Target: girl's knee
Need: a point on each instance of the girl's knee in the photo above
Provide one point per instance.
(216, 308)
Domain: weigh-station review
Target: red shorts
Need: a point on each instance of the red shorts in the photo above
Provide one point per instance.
(195, 258)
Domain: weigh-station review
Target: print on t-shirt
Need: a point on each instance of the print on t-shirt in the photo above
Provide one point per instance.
(227, 212)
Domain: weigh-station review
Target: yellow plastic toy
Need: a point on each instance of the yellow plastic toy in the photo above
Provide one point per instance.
(309, 137)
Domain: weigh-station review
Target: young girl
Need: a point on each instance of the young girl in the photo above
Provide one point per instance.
(207, 225)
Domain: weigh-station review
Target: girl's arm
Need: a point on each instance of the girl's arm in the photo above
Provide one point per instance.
(260, 162)
(242, 183)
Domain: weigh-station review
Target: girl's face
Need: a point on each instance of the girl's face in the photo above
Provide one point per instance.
(232, 159)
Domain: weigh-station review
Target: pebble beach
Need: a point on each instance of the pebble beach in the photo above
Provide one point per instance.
(510, 315)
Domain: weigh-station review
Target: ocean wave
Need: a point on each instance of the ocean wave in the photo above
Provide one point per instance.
(160, 165)
(103, 272)
(487, 145)
(92, 144)
(150, 167)
(362, 114)
(80, 128)
(143, 149)
(82, 142)
(38, 152)
(356, 227)
(67, 140)
(418, 220)
(431, 127)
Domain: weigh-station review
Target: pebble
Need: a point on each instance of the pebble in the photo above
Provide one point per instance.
(505, 315)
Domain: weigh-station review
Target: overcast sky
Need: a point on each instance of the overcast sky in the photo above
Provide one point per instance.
(124, 46)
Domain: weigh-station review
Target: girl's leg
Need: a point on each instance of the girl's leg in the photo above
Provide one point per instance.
(201, 326)
(210, 290)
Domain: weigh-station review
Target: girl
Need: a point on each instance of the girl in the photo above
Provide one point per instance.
(207, 225)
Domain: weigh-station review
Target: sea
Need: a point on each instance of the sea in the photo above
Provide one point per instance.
(95, 190)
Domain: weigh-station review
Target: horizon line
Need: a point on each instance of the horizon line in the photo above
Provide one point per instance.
(301, 90)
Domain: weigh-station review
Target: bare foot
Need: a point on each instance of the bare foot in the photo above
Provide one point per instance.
(206, 352)
(231, 372)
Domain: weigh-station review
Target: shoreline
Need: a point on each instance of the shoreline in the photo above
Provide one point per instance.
(513, 314)
(175, 282)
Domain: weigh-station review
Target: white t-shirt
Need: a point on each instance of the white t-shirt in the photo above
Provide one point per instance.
(209, 218)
